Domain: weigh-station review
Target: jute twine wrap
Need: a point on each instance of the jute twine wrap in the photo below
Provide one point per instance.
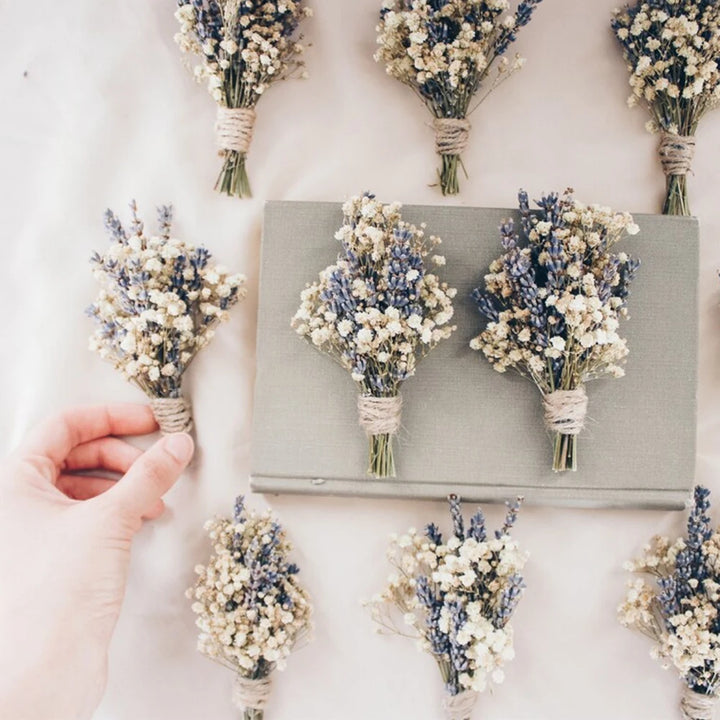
(460, 706)
(695, 706)
(451, 135)
(173, 415)
(251, 694)
(234, 128)
(565, 411)
(676, 153)
(380, 415)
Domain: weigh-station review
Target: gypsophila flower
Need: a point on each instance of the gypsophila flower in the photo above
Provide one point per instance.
(456, 597)
(377, 311)
(447, 51)
(252, 610)
(159, 301)
(554, 304)
(672, 50)
(678, 608)
(244, 46)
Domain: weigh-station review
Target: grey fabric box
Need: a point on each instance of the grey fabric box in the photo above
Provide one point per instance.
(466, 428)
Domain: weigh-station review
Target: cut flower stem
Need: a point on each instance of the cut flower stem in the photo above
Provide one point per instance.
(564, 452)
(381, 460)
(233, 179)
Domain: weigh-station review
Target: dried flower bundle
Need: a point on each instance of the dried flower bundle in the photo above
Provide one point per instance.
(554, 301)
(456, 597)
(159, 301)
(252, 610)
(678, 610)
(672, 49)
(244, 46)
(377, 311)
(447, 51)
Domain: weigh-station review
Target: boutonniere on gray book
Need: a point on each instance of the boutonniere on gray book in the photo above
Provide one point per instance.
(377, 311)
(554, 301)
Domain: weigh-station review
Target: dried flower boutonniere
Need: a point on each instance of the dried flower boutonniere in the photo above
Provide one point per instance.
(456, 596)
(252, 610)
(672, 49)
(377, 311)
(244, 47)
(448, 51)
(159, 301)
(554, 301)
(678, 610)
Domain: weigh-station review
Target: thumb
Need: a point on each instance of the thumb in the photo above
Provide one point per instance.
(151, 475)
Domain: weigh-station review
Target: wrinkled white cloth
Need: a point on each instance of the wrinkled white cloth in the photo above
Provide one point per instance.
(107, 112)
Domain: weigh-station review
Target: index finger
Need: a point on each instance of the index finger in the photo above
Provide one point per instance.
(56, 437)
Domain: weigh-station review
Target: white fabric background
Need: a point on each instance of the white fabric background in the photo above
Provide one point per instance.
(97, 109)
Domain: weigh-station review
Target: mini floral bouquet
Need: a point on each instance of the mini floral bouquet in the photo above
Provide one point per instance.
(377, 311)
(672, 49)
(252, 610)
(678, 610)
(456, 596)
(554, 304)
(159, 300)
(447, 51)
(244, 46)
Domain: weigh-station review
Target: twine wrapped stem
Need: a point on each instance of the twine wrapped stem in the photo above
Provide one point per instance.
(695, 706)
(251, 695)
(460, 706)
(233, 133)
(451, 140)
(173, 415)
(565, 412)
(380, 417)
(676, 155)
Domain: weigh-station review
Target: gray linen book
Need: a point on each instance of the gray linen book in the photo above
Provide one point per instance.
(466, 428)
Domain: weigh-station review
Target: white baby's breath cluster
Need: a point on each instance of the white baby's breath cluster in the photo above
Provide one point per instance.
(678, 610)
(378, 309)
(673, 49)
(555, 304)
(159, 301)
(251, 609)
(243, 45)
(456, 598)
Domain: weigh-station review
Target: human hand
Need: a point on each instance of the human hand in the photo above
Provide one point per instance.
(64, 552)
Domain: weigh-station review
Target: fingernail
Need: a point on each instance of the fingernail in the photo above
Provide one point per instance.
(180, 446)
